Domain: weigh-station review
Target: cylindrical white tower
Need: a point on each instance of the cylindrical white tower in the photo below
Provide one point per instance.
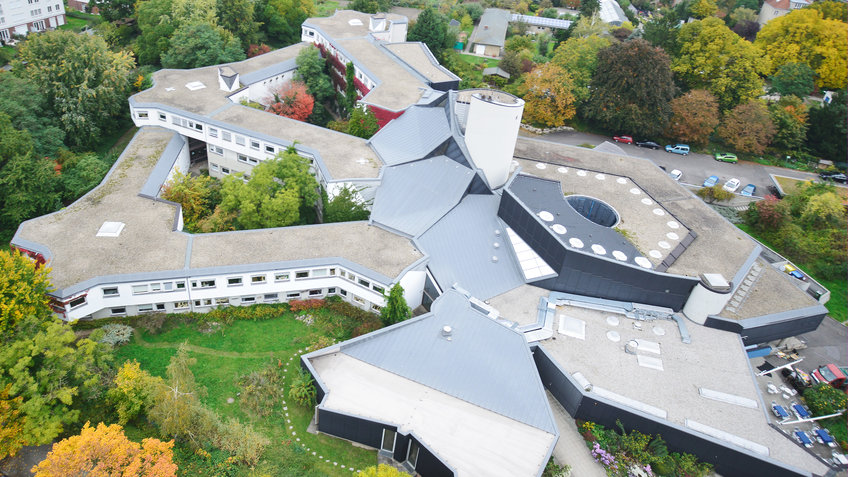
(491, 131)
(708, 297)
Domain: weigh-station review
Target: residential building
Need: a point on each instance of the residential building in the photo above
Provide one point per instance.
(489, 36)
(20, 17)
(772, 9)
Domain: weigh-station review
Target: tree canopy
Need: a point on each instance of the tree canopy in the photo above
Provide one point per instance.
(291, 100)
(281, 19)
(23, 291)
(694, 117)
(237, 17)
(201, 44)
(632, 88)
(431, 28)
(396, 309)
(828, 128)
(796, 79)
(548, 92)
(747, 127)
(31, 115)
(579, 57)
(789, 116)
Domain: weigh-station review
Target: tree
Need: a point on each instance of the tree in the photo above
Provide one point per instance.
(831, 10)
(518, 43)
(795, 79)
(347, 206)
(824, 400)
(747, 128)
(743, 14)
(713, 58)
(201, 44)
(23, 291)
(11, 424)
(714, 193)
(156, 25)
(823, 210)
(804, 36)
(396, 309)
(133, 391)
(80, 173)
(363, 123)
(431, 28)
(662, 31)
(632, 88)
(197, 196)
(370, 6)
(828, 129)
(281, 19)
(237, 17)
(106, 451)
(280, 192)
(351, 95)
(694, 117)
(747, 29)
(31, 115)
(291, 100)
(175, 399)
(589, 8)
(590, 25)
(579, 57)
(85, 83)
(703, 8)
(382, 470)
(548, 95)
(187, 12)
(767, 214)
(311, 71)
(114, 10)
(789, 116)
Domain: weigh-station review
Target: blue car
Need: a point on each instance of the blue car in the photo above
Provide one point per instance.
(711, 181)
(681, 149)
(748, 190)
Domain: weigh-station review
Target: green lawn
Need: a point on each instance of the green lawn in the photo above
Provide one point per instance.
(234, 351)
(837, 306)
(326, 8)
(75, 24)
(476, 60)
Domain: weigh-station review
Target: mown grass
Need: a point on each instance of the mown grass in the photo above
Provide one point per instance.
(218, 369)
(476, 60)
(326, 8)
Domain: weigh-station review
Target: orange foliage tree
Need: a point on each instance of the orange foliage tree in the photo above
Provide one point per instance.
(11, 424)
(105, 451)
(548, 91)
(747, 128)
(694, 116)
(292, 101)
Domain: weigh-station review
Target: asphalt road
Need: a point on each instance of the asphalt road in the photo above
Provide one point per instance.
(695, 167)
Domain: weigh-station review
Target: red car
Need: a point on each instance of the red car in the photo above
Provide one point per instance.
(624, 139)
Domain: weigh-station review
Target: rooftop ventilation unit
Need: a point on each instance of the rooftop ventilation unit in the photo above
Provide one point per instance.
(111, 229)
(195, 85)
(447, 332)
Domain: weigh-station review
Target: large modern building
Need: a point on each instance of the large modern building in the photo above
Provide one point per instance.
(584, 273)
(20, 17)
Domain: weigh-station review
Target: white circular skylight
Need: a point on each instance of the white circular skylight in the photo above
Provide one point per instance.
(581, 173)
(659, 212)
(599, 249)
(635, 191)
(655, 253)
(672, 236)
(621, 180)
(658, 330)
(673, 224)
(613, 336)
(546, 216)
(664, 244)
(562, 170)
(612, 320)
(575, 242)
(643, 262)
(600, 177)
(619, 255)
(539, 165)
(558, 228)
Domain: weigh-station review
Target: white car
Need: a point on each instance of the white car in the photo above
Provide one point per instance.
(675, 174)
(731, 185)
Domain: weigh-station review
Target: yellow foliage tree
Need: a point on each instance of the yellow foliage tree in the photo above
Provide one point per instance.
(805, 36)
(23, 290)
(548, 92)
(382, 470)
(11, 424)
(105, 451)
(704, 8)
(133, 391)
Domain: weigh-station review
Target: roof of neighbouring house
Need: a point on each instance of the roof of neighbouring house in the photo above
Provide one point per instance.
(491, 30)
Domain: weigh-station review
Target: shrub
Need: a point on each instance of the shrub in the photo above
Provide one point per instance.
(260, 391)
(296, 306)
(241, 441)
(302, 390)
(346, 321)
(151, 322)
(115, 334)
(824, 400)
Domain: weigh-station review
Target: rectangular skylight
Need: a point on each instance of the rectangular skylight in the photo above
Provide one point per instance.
(110, 229)
(531, 263)
(195, 85)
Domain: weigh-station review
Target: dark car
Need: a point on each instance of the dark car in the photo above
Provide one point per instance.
(833, 176)
(650, 144)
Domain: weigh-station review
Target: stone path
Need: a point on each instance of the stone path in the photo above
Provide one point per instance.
(571, 449)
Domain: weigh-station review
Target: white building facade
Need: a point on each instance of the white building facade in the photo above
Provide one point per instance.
(21, 17)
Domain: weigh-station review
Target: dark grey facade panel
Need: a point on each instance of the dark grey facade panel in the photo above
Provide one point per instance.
(430, 466)
(445, 85)
(557, 381)
(352, 428)
(762, 332)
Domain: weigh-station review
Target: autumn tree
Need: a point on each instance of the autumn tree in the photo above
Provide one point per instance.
(703, 8)
(548, 96)
(796, 79)
(767, 214)
(175, 399)
(23, 291)
(86, 84)
(311, 71)
(823, 210)
(291, 100)
(714, 193)
(11, 424)
(789, 116)
(133, 391)
(805, 36)
(106, 451)
(831, 10)
(396, 309)
(713, 58)
(694, 117)
(197, 195)
(747, 128)
(632, 88)
(579, 57)
(201, 44)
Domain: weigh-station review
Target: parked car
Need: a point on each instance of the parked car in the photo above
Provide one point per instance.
(649, 144)
(834, 176)
(731, 185)
(675, 174)
(624, 139)
(794, 272)
(748, 190)
(726, 157)
(678, 149)
(711, 181)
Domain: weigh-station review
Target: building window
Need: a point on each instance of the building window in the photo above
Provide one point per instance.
(281, 277)
(217, 150)
(293, 295)
(240, 140)
(342, 292)
(234, 281)
(359, 300)
(111, 291)
(379, 289)
(331, 291)
(225, 170)
(203, 284)
(163, 117)
(248, 299)
(180, 305)
(155, 287)
(254, 144)
(77, 302)
(118, 311)
(315, 292)
(198, 126)
(180, 285)
(332, 272)
(365, 283)
(160, 307)
(139, 289)
(299, 275)
(257, 279)
(270, 149)
(142, 114)
(270, 297)
(213, 132)
(321, 272)
(222, 301)
(247, 160)
(225, 135)
(145, 308)
(213, 166)
(375, 308)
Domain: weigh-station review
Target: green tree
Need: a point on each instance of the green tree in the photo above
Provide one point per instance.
(114, 10)
(795, 79)
(694, 117)
(197, 195)
(346, 206)
(589, 8)
(548, 92)
(31, 115)
(747, 128)
(237, 17)
(177, 398)
(281, 19)
(828, 128)
(363, 123)
(789, 116)
(823, 210)
(662, 30)
(632, 88)
(156, 25)
(80, 174)
(85, 83)
(804, 36)
(201, 44)
(351, 95)
(579, 57)
(743, 14)
(431, 28)
(714, 193)
(132, 395)
(832, 10)
(396, 309)
(713, 58)
(519, 42)
(590, 25)
(370, 6)
(823, 399)
(311, 71)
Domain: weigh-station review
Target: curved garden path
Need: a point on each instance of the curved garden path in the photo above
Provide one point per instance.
(137, 339)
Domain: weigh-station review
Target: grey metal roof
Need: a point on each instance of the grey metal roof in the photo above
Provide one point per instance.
(542, 21)
(413, 196)
(492, 27)
(462, 244)
(484, 363)
(494, 70)
(611, 12)
(412, 136)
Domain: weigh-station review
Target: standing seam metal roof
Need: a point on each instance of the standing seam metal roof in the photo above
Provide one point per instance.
(412, 136)
(492, 28)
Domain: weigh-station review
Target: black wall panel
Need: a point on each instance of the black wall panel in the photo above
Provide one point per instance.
(761, 333)
(430, 465)
(351, 428)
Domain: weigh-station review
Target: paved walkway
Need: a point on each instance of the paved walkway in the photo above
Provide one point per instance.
(571, 448)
